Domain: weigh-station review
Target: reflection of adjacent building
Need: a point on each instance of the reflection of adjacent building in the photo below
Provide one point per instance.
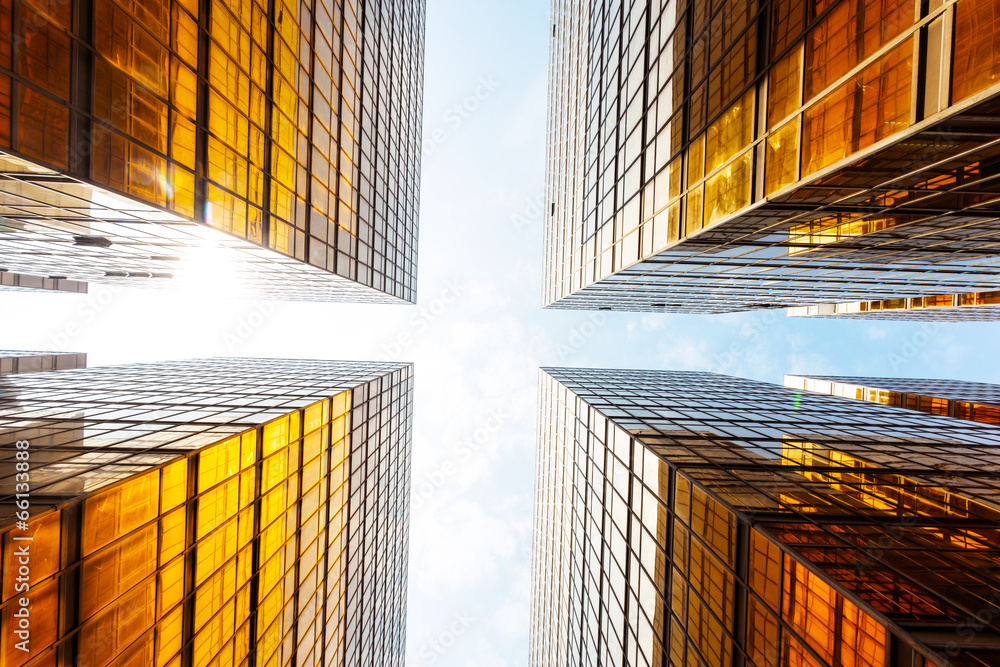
(282, 138)
(211, 512)
(21, 282)
(25, 361)
(690, 518)
(14, 398)
(978, 401)
(973, 307)
(716, 157)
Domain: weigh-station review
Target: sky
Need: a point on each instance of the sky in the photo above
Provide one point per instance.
(478, 334)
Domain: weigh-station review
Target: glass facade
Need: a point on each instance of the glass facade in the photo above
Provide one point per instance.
(730, 155)
(209, 513)
(25, 361)
(695, 519)
(25, 283)
(974, 307)
(977, 401)
(133, 136)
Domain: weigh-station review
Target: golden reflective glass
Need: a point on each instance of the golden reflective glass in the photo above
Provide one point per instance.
(976, 59)
(134, 536)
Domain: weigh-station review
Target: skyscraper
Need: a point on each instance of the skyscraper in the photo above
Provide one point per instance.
(25, 361)
(213, 512)
(974, 307)
(687, 518)
(724, 156)
(263, 148)
(978, 401)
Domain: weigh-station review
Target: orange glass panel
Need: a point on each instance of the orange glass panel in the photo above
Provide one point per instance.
(826, 130)
(57, 11)
(170, 588)
(43, 128)
(828, 623)
(765, 569)
(862, 638)
(5, 110)
(933, 405)
(185, 36)
(147, 175)
(138, 655)
(729, 135)
(116, 569)
(727, 78)
(782, 157)
(885, 98)
(44, 53)
(110, 514)
(106, 635)
(184, 89)
(834, 46)
(786, 23)
(830, 48)
(109, 158)
(810, 608)
(764, 577)
(44, 611)
(174, 485)
(728, 191)
(710, 612)
(784, 88)
(762, 635)
(872, 106)
(976, 61)
(696, 161)
(42, 548)
(988, 414)
(225, 211)
(130, 47)
(6, 28)
(841, 227)
(695, 219)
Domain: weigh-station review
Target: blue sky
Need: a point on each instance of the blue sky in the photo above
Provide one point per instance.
(478, 334)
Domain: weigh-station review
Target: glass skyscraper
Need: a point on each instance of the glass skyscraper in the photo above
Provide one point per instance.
(268, 148)
(978, 401)
(695, 519)
(207, 513)
(731, 155)
(974, 307)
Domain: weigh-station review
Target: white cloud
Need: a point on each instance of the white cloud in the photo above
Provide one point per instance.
(468, 544)
(877, 332)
